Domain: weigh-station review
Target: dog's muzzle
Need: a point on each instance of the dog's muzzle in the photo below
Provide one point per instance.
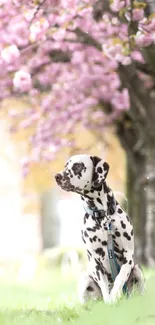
(64, 182)
(58, 178)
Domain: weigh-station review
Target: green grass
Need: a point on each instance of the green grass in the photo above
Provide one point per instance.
(51, 299)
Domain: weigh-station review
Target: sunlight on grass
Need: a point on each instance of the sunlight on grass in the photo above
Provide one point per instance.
(51, 299)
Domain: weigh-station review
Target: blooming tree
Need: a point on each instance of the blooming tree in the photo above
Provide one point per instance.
(83, 61)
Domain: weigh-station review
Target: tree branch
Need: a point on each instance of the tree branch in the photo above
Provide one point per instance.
(149, 56)
(86, 39)
(144, 68)
(37, 10)
(99, 8)
(150, 6)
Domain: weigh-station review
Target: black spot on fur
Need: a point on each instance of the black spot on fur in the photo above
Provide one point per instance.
(124, 260)
(78, 168)
(104, 243)
(83, 240)
(90, 289)
(94, 238)
(86, 192)
(109, 277)
(91, 203)
(95, 160)
(99, 200)
(106, 188)
(106, 168)
(110, 204)
(86, 216)
(120, 211)
(83, 237)
(111, 210)
(126, 235)
(89, 253)
(117, 250)
(132, 232)
(91, 229)
(98, 275)
(123, 224)
(91, 240)
(117, 233)
(100, 188)
(98, 269)
(99, 266)
(99, 170)
(100, 252)
(116, 243)
(95, 178)
(130, 262)
(85, 233)
(128, 219)
(105, 165)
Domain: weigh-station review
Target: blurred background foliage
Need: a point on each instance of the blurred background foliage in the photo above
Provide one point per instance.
(40, 178)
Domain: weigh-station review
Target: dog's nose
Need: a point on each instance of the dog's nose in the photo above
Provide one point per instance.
(58, 177)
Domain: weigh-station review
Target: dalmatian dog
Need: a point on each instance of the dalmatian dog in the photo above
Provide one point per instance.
(86, 175)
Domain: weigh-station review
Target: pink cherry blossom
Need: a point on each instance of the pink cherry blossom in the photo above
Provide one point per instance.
(143, 40)
(22, 81)
(116, 5)
(38, 29)
(138, 14)
(10, 53)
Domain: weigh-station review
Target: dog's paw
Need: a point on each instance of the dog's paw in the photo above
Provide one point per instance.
(107, 300)
(115, 296)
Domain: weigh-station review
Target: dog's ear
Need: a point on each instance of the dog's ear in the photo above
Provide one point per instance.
(100, 171)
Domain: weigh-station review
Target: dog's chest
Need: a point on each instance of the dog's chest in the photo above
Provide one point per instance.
(95, 237)
(94, 231)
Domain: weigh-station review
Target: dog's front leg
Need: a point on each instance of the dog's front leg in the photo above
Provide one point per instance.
(104, 287)
(123, 276)
(98, 274)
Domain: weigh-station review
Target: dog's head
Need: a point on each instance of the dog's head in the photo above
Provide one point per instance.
(81, 173)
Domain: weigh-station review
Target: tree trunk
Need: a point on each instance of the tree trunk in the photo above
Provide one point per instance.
(141, 196)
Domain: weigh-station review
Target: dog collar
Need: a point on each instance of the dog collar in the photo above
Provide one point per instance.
(94, 212)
